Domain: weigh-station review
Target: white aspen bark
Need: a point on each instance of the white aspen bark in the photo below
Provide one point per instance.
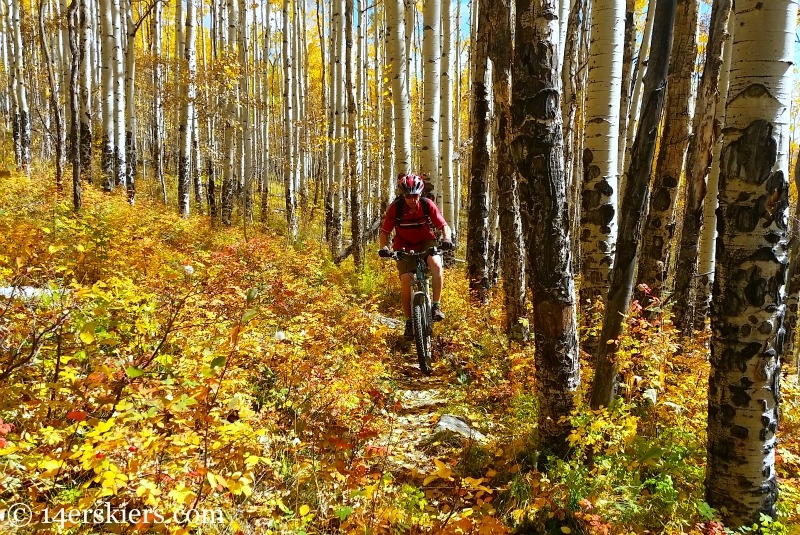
(707, 244)
(288, 121)
(22, 113)
(601, 139)
(396, 48)
(119, 98)
(633, 113)
(454, 223)
(387, 105)
(431, 56)
(565, 6)
(5, 35)
(748, 302)
(446, 133)
(187, 113)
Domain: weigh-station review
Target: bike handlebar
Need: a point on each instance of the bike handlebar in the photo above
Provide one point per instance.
(399, 255)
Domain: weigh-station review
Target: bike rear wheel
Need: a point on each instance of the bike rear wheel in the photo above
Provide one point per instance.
(421, 321)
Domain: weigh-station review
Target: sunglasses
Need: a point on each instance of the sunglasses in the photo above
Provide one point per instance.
(411, 195)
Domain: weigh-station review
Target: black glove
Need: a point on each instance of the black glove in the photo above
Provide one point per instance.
(384, 252)
(446, 245)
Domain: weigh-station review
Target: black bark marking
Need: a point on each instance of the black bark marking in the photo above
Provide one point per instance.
(661, 199)
(739, 396)
(752, 156)
(738, 431)
(756, 288)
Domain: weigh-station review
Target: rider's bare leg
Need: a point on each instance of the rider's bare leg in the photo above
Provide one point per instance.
(405, 293)
(435, 265)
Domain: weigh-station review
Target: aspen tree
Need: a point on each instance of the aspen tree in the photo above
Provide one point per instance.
(706, 131)
(538, 155)
(601, 144)
(748, 299)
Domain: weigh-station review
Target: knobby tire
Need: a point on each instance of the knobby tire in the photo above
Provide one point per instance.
(422, 332)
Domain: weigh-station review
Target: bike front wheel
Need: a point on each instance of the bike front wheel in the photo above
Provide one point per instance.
(421, 321)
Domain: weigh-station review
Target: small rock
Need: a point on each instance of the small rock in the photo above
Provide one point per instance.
(454, 424)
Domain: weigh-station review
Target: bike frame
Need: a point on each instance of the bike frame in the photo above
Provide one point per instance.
(420, 284)
(422, 323)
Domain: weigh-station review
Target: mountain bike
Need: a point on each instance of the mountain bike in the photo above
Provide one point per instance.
(421, 322)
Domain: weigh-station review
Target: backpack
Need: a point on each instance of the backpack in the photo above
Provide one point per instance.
(400, 204)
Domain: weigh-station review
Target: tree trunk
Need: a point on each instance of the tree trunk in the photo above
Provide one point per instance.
(339, 111)
(698, 161)
(75, 155)
(660, 224)
(570, 50)
(432, 61)
(107, 79)
(187, 114)
(601, 140)
(788, 357)
(537, 152)
(478, 225)
(627, 75)
(635, 196)
(54, 102)
(748, 301)
(511, 241)
(636, 97)
(22, 114)
(396, 28)
(288, 117)
(706, 250)
(354, 167)
(448, 184)
(121, 173)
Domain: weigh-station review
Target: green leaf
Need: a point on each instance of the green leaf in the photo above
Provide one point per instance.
(252, 293)
(652, 453)
(133, 373)
(248, 315)
(705, 510)
(218, 362)
(343, 512)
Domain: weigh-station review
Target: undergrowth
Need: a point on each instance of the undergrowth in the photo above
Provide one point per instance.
(167, 366)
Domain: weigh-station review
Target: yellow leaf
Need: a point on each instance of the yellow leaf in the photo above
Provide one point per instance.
(442, 470)
(428, 479)
(304, 509)
(87, 337)
(565, 529)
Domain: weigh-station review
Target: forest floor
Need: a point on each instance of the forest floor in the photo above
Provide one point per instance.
(172, 366)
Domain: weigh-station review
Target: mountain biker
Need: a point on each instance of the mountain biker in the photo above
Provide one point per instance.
(413, 219)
